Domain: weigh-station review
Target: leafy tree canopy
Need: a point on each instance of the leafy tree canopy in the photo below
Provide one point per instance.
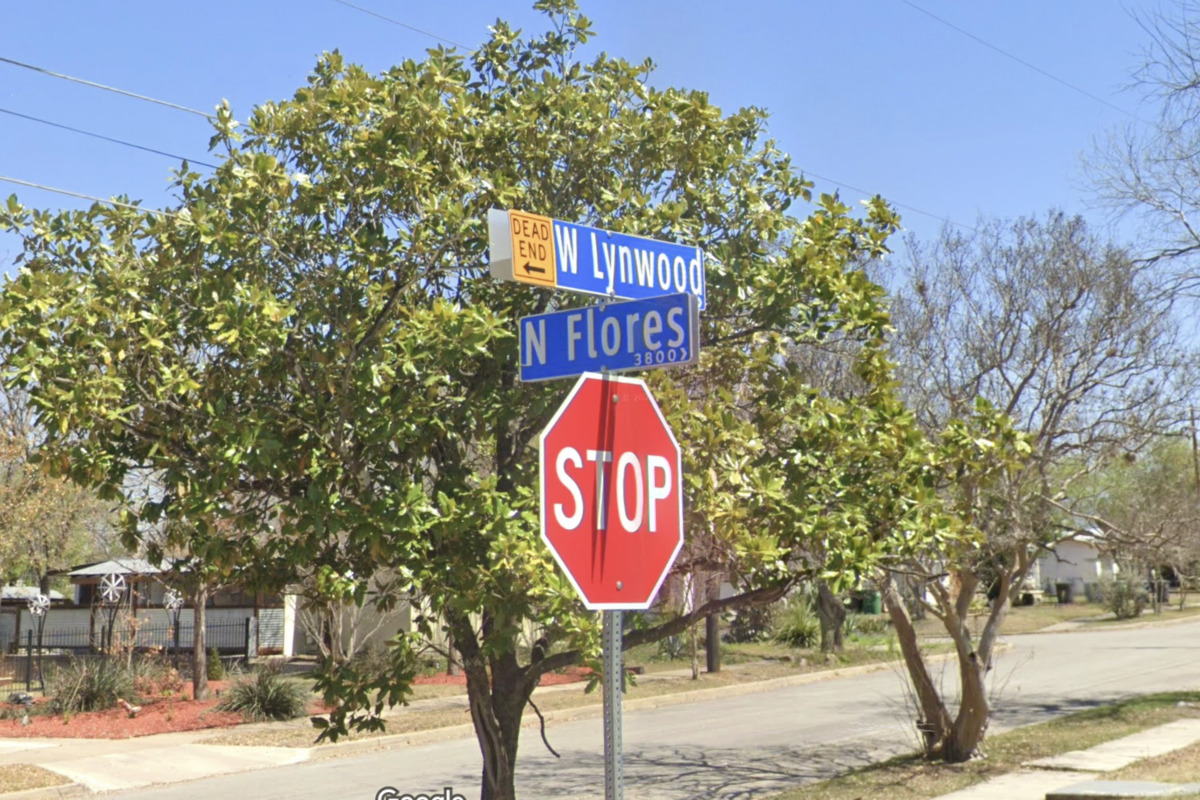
(308, 348)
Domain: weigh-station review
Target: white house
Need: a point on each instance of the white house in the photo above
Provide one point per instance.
(1080, 562)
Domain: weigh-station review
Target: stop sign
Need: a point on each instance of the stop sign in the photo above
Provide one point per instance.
(612, 504)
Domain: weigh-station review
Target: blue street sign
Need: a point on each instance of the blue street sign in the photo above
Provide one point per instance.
(562, 255)
(640, 334)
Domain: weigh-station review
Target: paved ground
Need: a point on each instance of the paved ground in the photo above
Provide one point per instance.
(734, 747)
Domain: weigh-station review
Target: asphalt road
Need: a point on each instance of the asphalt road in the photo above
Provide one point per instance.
(753, 745)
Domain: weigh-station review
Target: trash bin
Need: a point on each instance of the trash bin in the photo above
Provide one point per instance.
(872, 602)
(1065, 592)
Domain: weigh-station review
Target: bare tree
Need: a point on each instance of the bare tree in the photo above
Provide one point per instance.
(340, 623)
(1154, 172)
(1077, 344)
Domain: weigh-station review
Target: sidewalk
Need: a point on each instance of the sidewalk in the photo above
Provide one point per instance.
(1075, 774)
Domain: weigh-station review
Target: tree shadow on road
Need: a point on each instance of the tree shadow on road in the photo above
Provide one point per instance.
(684, 773)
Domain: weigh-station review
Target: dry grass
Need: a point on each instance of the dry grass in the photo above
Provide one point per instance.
(911, 778)
(1020, 619)
(1182, 766)
(19, 777)
(429, 691)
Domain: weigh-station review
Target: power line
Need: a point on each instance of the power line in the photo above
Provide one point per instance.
(101, 136)
(815, 175)
(106, 88)
(1022, 61)
(401, 24)
(363, 10)
(117, 203)
(890, 202)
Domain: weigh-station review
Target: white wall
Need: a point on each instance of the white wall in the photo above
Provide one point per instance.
(1075, 562)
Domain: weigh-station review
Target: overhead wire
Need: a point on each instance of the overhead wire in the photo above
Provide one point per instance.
(93, 198)
(913, 209)
(101, 136)
(401, 24)
(813, 174)
(105, 87)
(1021, 61)
(361, 9)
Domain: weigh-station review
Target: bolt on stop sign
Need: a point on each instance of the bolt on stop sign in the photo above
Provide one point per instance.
(611, 496)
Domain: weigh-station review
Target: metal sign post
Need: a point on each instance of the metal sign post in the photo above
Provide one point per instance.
(614, 784)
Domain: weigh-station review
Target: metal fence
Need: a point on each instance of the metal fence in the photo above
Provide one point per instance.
(227, 637)
(23, 662)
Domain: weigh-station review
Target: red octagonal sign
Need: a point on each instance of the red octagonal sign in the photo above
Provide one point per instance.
(612, 503)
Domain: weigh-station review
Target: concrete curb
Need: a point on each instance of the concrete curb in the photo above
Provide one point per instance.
(48, 792)
(338, 750)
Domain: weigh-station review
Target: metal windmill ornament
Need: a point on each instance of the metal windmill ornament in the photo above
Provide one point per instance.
(172, 600)
(112, 588)
(39, 604)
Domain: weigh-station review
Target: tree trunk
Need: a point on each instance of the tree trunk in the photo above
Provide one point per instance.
(832, 614)
(712, 643)
(199, 651)
(497, 706)
(916, 608)
(974, 710)
(934, 721)
(712, 626)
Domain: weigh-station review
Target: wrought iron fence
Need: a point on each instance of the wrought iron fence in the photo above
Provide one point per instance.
(23, 662)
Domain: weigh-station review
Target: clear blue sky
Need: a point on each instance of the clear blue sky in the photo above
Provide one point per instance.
(873, 94)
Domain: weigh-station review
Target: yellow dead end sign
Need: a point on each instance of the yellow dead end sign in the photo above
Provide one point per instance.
(533, 249)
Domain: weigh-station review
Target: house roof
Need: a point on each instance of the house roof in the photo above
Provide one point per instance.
(119, 566)
(25, 593)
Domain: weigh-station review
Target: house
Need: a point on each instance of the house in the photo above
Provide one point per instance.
(1081, 562)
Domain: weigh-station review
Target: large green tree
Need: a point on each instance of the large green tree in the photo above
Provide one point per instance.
(309, 357)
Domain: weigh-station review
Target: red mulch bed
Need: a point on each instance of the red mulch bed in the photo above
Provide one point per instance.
(158, 715)
(568, 675)
(180, 713)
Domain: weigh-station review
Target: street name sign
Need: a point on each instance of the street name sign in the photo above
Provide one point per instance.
(637, 334)
(554, 254)
(611, 492)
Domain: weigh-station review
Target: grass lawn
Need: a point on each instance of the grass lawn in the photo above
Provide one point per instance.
(911, 778)
(1182, 766)
(20, 777)
(1030, 619)
(1020, 619)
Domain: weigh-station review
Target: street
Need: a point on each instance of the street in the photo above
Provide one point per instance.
(754, 745)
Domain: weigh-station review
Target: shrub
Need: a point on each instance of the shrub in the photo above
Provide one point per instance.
(867, 624)
(154, 676)
(796, 623)
(673, 648)
(216, 667)
(375, 661)
(266, 694)
(750, 624)
(1124, 598)
(91, 685)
